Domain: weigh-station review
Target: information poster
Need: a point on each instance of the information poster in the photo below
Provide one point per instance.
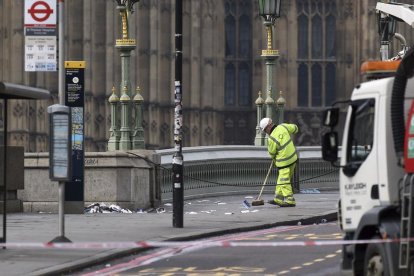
(40, 53)
(74, 98)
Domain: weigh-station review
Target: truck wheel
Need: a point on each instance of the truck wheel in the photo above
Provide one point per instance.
(375, 263)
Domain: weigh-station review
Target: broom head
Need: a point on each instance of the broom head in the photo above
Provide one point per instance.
(257, 202)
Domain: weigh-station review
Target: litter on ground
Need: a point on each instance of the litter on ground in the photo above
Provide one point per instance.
(104, 208)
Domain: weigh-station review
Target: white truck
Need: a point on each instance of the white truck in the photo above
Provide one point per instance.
(376, 166)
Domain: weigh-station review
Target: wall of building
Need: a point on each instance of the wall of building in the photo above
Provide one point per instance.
(91, 28)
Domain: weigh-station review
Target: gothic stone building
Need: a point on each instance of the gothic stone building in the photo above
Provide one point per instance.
(322, 44)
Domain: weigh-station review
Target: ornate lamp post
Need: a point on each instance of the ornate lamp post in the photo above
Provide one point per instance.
(269, 10)
(125, 46)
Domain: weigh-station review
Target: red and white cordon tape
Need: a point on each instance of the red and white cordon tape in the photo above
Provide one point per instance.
(152, 244)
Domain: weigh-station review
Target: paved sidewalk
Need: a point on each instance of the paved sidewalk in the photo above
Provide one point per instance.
(202, 218)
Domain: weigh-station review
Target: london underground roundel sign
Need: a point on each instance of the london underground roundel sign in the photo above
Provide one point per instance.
(40, 12)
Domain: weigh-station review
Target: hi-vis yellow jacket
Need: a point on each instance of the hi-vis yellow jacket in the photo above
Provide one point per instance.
(280, 145)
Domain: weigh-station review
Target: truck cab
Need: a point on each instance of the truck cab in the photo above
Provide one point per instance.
(369, 168)
(370, 175)
(376, 167)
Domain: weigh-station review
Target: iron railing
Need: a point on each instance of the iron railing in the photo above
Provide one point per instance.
(218, 170)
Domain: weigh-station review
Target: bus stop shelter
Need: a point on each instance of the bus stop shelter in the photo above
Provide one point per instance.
(9, 91)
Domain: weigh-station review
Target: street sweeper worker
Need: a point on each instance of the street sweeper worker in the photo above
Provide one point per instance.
(283, 152)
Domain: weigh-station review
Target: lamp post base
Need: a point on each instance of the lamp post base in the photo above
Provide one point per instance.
(60, 239)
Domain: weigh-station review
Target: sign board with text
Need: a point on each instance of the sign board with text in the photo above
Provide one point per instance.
(74, 99)
(40, 53)
(40, 35)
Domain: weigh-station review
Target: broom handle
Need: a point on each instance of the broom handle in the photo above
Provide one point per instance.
(264, 183)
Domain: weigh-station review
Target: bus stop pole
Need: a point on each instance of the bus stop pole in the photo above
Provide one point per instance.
(61, 84)
(5, 170)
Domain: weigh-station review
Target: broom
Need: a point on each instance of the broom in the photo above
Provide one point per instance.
(258, 201)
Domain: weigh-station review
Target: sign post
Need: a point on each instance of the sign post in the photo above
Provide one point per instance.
(178, 159)
(59, 157)
(74, 98)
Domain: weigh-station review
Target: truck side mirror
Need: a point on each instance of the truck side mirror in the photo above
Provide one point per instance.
(330, 117)
(330, 146)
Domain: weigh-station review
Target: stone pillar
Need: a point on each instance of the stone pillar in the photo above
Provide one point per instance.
(113, 143)
(260, 137)
(125, 141)
(280, 106)
(138, 134)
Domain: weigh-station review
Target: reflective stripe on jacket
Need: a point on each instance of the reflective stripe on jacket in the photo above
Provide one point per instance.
(280, 145)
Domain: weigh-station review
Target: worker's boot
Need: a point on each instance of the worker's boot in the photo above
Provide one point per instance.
(278, 200)
(289, 201)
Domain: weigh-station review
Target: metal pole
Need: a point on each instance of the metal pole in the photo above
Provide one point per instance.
(5, 171)
(61, 84)
(177, 162)
(61, 208)
(61, 77)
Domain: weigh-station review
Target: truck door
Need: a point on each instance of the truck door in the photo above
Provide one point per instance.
(358, 175)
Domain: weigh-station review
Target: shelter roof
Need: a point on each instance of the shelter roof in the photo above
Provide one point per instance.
(18, 91)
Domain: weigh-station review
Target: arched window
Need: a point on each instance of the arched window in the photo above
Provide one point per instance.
(303, 37)
(244, 36)
(303, 85)
(316, 85)
(230, 36)
(238, 72)
(238, 53)
(330, 73)
(230, 85)
(316, 52)
(317, 37)
(330, 36)
(244, 85)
